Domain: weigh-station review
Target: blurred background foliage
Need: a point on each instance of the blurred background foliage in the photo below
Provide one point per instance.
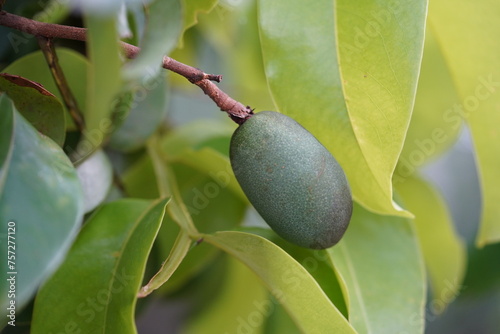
(211, 291)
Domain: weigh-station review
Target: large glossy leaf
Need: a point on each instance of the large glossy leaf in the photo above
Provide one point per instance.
(467, 35)
(316, 262)
(95, 288)
(39, 106)
(347, 71)
(242, 305)
(34, 67)
(380, 263)
(43, 198)
(104, 82)
(286, 279)
(431, 130)
(444, 252)
(164, 24)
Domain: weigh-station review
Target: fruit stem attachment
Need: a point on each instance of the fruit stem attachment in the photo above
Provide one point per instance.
(236, 110)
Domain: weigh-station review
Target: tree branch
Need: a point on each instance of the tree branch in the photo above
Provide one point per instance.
(69, 100)
(236, 110)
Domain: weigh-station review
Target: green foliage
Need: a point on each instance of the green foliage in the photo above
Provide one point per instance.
(42, 109)
(108, 258)
(34, 170)
(362, 109)
(475, 69)
(142, 205)
(34, 67)
(286, 279)
(367, 255)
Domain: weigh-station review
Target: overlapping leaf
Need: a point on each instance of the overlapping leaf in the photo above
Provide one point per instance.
(148, 107)
(34, 67)
(466, 32)
(242, 305)
(39, 106)
(164, 24)
(104, 83)
(347, 71)
(42, 197)
(434, 127)
(380, 264)
(286, 279)
(443, 251)
(95, 289)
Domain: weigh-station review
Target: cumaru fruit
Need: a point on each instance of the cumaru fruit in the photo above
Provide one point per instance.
(291, 179)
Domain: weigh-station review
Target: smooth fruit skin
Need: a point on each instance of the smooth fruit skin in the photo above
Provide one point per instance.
(292, 180)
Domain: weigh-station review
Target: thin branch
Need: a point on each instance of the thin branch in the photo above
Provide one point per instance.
(49, 52)
(236, 110)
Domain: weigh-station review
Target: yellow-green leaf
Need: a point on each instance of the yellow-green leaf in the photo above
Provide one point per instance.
(382, 271)
(286, 279)
(468, 35)
(433, 128)
(444, 252)
(347, 71)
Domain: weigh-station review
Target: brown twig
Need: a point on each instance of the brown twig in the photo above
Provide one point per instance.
(69, 100)
(236, 110)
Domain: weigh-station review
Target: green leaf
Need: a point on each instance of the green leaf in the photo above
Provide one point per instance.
(212, 208)
(164, 24)
(279, 322)
(443, 250)
(6, 140)
(286, 279)
(104, 82)
(316, 262)
(208, 199)
(39, 106)
(95, 289)
(140, 181)
(431, 130)
(96, 177)
(175, 258)
(196, 135)
(241, 307)
(380, 264)
(148, 109)
(54, 11)
(191, 9)
(467, 35)
(167, 186)
(204, 146)
(215, 165)
(43, 198)
(356, 99)
(34, 67)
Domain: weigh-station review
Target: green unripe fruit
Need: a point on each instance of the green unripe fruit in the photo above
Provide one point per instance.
(292, 180)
